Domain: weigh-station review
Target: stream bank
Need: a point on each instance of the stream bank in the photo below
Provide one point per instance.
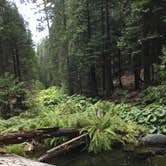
(112, 158)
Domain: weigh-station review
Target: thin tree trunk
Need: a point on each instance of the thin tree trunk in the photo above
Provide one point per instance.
(18, 64)
(108, 68)
(14, 62)
(47, 16)
(120, 69)
(92, 72)
(103, 49)
(147, 75)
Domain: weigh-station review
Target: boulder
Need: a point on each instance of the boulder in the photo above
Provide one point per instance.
(154, 140)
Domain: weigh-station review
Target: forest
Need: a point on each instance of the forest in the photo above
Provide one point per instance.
(95, 84)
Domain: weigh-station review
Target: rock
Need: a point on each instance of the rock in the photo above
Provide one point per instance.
(14, 160)
(156, 140)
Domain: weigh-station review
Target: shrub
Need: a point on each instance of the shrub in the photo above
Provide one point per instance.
(18, 149)
(10, 89)
(154, 95)
(153, 117)
(100, 119)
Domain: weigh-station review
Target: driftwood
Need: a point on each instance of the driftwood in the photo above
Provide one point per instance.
(65, 147)
(23, 136)
(14, 160)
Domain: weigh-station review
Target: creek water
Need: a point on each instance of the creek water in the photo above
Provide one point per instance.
(114, 158)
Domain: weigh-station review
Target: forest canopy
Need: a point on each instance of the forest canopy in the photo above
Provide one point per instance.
(92, 45)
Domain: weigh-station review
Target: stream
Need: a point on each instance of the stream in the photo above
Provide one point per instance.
(114, 158)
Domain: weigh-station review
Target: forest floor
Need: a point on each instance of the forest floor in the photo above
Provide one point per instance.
(133, 98)
(127, 93)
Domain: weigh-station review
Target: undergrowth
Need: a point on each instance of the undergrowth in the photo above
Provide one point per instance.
(106, 123)
(18, 149)
(154, 94)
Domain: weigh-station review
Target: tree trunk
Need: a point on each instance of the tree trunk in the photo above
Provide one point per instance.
(65, 147)
(38, 134)
(14, 62)
(120, 69)
(108, 68)
(92, 72)
(103, 49)
(47, 16)
(93, 81)
(147, 77)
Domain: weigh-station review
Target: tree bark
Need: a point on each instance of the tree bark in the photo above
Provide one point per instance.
(108, 68)
(38, 134)
(65, 147)
(92, 72)
(47, 16)
(103, 49)
(147, 64)
(120, 69)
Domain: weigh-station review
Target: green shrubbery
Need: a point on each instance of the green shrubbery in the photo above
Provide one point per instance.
(153, 117)
(105, 122)
(154, 95)
(18, 149)
(10, 91)
(161, 69)
(100, 119)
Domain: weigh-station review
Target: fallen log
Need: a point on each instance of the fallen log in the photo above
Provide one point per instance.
(14, 160)
(38, 134)
(65, 147)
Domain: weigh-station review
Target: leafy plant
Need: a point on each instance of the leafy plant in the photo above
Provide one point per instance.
(101, 119)
(10, 90)
(106, 131)
(154, 95)
(153, 117)
(18, 149)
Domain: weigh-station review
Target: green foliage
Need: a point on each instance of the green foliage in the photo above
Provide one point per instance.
(105, 122)
(161, 69)
(120, 95)
(10, 88)
(154, 94)
(100, 119)
(18, 149)
(106, 131)
(16, 48)
(50, 97)
(153, 117)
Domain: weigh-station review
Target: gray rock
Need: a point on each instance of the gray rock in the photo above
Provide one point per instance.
(157, 140)
(14, 160)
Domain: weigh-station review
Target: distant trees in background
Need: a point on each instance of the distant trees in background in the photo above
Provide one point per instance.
(92, 44)
(17, 55)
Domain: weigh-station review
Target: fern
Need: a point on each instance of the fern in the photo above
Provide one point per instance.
(52, 108)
